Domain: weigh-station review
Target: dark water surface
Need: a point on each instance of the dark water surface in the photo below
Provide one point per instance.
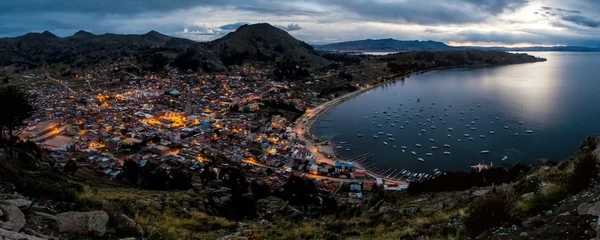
(559, 100)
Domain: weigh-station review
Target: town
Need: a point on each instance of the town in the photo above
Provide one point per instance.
(184, 121)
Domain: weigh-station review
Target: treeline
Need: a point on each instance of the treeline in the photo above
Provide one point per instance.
(458, 181)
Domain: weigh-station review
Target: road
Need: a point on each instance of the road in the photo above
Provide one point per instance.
(307, 175)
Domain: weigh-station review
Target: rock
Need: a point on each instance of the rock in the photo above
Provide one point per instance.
(83, 223)
(248, 196)
(527, 195)
(20, 203)
(594, 210)
(235, 236)
(215, 184)
(523, 234)
(294, 213)
(15, 235)
(583, 209)
(598, 228)
(36, 234)
(14, 219)
(480, 193)
(127, 225)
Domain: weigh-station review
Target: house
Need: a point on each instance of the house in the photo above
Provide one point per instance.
(301, 153)
(358, 174)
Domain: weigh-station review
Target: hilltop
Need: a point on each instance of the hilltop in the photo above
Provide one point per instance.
(384, 45)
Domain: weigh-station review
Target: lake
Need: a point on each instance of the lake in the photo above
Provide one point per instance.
(559, 100)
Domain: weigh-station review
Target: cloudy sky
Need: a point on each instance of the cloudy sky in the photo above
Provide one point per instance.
(457, 22)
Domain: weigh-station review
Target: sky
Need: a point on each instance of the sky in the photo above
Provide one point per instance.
(455, 22)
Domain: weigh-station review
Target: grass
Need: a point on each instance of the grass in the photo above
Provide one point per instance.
(191, 225)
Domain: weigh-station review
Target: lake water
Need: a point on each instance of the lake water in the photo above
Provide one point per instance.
(559, 100)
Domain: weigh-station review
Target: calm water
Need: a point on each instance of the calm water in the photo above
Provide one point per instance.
(559, 100)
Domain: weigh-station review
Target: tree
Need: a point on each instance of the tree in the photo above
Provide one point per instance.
(131, 171)
(71, 167)
(154, 177)
(15, 107)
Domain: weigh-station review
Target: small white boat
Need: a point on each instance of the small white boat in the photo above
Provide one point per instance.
(468, 125)
(520, 123)
(342, 142)
(378, 125)
(461, 112)
(418, 145)
(529, 131)
(366, 117)
(449, 136)
(394, 146)
(447, 145)
(443, 122)
(396, 120)
(392, 125)
(385, 143)
(401, 127)
(360, 135)
(413, 153)
(407, 122)
(459, 140)
(504, 158)
(375, 136)
(429, 120)
(420, 159)
(478, 105)
(428, 154)
(472, 122)
(491, 122)
(338, 146)
(466, 135)
(419, 134)
(423, 130)
(403, 150)
(470, 138)
(505, 127)
(431, 140)
(391, 139)
(516, 134)
(433, 147)
(450, 129)
(497, 118)
(441, 118)
(432, 127)
(492, 132)
(476, 118)
(447, 153)
(390, 135)
(348, 149)
(403, 147)
(380, 133)
(482, 136)
(473, 128)
(462, 119)
(484, 152)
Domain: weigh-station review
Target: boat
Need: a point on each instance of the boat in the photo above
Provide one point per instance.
(461, 112)
(418, 145)
(459, 140)
(392, 125)
(403, 147)
(473, 128)
(374, 136)
(447, 145)
(429, 120)
(413, 153)
(497, 118)
(505, 127)
(492, 132)
(432, 127)
(423, 130)
(428, 154)
(449, 136)
(378, 125)
(478, 105)
(433, 147)
(407, 122)
(468, 125)
(380, 133)
(390, 135)
(403, 150)
(476, 118)
(342, 142)
(520, 123)
(462, 119)
(401, 127)
(360, 135)
(366, 117)
(394, 146)
(391, 139)
(472, 122)
(385, 143)
(470, 138)
(419, 134)
(466, 135)
(338, 146)
(443, 122)
(445, 109)
(431, 140)
(504, 158)
(441, 118)
(482, 136)
(447, 153)
(450, 129)
(347, 149)
(484, 152)
(491, 122)
(516, 134)
(529, 131)
(421, 159)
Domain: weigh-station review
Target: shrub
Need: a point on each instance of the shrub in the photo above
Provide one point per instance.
(585, 169)
(487, 213)
(541, 201)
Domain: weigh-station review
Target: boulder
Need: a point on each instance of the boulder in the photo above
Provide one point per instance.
(583, 209)
(13, 219)
(83, 223)
(126, 225)
(527, 195)
(523, 234)
(594, 210)
(215, 184)
(5, 234)
(20, 203)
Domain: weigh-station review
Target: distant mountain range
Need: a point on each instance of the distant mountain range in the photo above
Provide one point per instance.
(393, 45)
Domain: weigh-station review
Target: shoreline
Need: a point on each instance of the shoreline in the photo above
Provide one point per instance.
(304, 123)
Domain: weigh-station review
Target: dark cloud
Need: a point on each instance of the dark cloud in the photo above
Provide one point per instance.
(291, 27)
(567, 11)
(233, 26)
(582, 21)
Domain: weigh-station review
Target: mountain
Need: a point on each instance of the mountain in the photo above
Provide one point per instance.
(384, 45)
(85, 49)
(540, 49)
(265, 43)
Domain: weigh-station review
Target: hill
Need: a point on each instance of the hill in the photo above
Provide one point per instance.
(84, 50)
(265, 43)
(384, 45)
